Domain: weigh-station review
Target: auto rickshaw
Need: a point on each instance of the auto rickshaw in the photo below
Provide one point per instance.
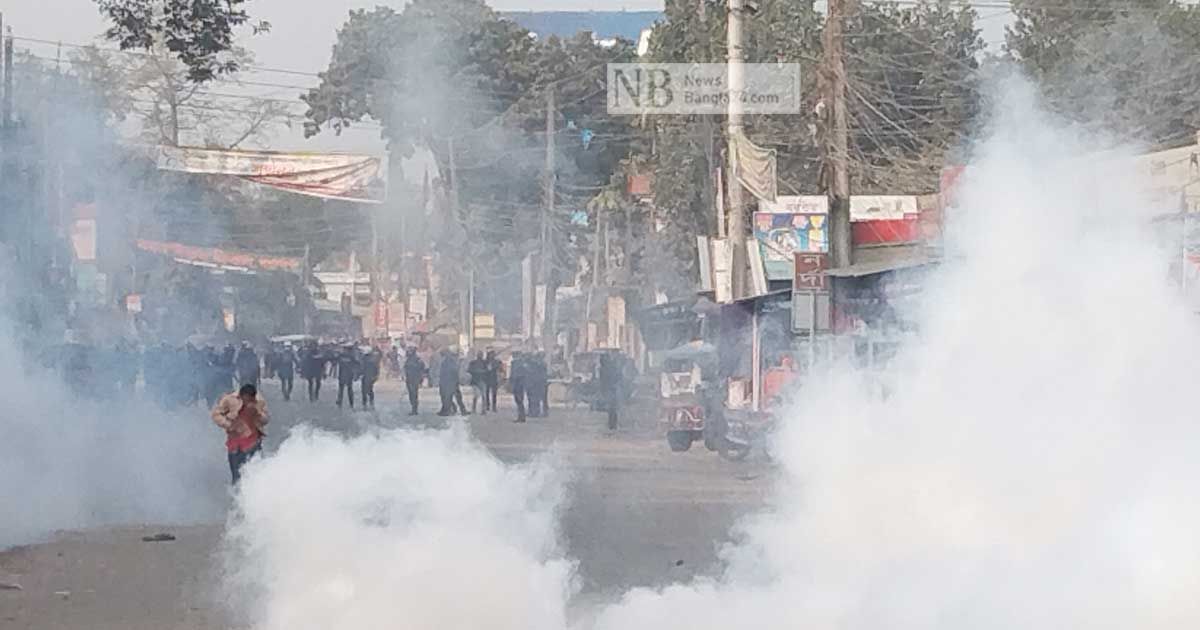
(682, 396)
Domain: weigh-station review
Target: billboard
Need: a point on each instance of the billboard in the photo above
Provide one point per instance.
(359, 178)
(781, 236)
(878, 219)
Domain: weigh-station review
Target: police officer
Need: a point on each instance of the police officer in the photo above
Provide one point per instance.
(347, 372)
(414, 374)
(371, 364)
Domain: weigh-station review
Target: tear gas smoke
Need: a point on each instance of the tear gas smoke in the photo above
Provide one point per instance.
(419, 529)
(1033, 465)
(67, 463)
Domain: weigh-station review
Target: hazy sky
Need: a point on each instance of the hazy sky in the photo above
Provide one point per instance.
(302, 30)
(301, 37)
(302, 34)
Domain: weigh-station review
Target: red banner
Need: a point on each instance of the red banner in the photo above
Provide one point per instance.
(213, 257)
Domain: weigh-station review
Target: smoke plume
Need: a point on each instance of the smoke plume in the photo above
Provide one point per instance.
(68, 463)
(1031, 466)
(416, 529)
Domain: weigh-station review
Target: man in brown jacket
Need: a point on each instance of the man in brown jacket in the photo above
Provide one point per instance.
(243, 416)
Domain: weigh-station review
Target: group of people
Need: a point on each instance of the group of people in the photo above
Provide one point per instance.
(347, 363)
(530, 383)
(173, 376)
(528, 378)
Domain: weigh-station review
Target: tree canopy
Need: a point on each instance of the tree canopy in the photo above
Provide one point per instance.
(200, 33)
(455, 78)
(1127, 68)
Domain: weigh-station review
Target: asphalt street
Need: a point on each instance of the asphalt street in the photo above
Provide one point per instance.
(637, 515)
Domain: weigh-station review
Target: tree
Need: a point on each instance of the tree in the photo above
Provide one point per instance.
(153, 89)
(914, 92)
(914, 96)
(199, 33)
(683, 152)
(1127, 68)
(453, 76)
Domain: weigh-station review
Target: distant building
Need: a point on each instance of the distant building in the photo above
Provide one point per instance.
(604, 25)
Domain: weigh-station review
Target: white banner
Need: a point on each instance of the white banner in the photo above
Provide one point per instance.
(722, 263)
(796, 204)
(418, 303)
(882, 207)
(360, 178)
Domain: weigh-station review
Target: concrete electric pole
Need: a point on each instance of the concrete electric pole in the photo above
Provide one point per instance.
(736, 207)
(549, 334)
(837, 137)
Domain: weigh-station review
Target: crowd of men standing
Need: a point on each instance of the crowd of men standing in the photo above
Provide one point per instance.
(186, 375)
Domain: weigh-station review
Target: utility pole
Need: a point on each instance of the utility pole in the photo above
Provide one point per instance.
(836, 137)
(3, 88)
(548, 332)
(8, 80)
(6, 107)
(464, 296)
(471, 311)
(376, 283)
(5, 148)
(305, 270)
(737, 207)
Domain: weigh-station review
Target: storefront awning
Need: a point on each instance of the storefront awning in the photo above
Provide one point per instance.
(859, 270)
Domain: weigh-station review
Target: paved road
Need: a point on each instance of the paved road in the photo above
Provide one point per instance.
(639, 515)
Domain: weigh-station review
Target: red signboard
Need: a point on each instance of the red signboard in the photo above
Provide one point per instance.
(381, 316)
(906, 230)
(641, 185)
(810, 271)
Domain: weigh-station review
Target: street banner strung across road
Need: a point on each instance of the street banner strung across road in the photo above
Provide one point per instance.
(220, 258)
(357, 178)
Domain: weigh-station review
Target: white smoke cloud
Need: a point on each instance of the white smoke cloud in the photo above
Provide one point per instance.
(404, 528)
(1032, 467)
(67, 463)
(1034, 464)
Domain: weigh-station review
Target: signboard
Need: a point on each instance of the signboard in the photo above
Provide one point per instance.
(527, 297)
(796, 204)
(485, 326)
(810, 272)
(705, 256)
(758, 273)
(811, 309)
(882, 207)
(359, 178)
(781, 236)
(722, 263)
(381, 317)
(539, 309)
(616, 321)
(83, 239)
(397, 317)
(133, 303)
(418, 300)
(811, 312)
(885, 219)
